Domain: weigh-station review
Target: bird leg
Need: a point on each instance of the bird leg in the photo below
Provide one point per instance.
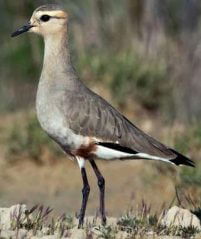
(101, 185)
(85, 195)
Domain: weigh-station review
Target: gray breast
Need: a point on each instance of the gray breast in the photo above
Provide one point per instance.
(49, 102)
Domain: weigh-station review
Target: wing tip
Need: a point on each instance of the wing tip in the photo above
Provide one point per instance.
(182, 160)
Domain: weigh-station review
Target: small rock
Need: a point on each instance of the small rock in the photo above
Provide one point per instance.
(5, 218)
(30, 234)
(22, 233)
(39, 234)
(45, 230)
(176, 216)
(8, 215)
(17, 209)
(7, 234)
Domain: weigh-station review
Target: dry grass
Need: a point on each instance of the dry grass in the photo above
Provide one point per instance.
(134, 224)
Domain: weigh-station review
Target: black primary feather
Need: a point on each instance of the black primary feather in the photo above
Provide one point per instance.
(181, 159)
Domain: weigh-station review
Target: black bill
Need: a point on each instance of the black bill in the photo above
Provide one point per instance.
(21, 30)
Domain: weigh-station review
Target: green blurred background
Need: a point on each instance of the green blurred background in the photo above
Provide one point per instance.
(148, 51)
(144, 56)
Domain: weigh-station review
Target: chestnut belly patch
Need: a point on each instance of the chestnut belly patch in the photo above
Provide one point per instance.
(86, 151)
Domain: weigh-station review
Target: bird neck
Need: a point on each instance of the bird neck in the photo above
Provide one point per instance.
(57, 64)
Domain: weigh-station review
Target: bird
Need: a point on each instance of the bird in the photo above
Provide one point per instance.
(80, 121)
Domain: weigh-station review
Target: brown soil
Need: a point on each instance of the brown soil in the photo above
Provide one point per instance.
(59, 185)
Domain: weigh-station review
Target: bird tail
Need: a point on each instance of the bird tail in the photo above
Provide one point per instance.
(182, 160)
(115, 151)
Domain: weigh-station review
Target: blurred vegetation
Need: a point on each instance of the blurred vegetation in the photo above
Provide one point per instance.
(190, 141)
(27, 140)
(127, 74)
(144, 50)
(191, 138)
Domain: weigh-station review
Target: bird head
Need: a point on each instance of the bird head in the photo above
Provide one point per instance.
(46, 20)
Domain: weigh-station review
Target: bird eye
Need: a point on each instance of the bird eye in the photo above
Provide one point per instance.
(45, 18)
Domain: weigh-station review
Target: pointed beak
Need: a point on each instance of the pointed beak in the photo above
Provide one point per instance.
(23, 29)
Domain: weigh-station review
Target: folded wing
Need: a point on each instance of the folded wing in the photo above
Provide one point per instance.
(90, 115)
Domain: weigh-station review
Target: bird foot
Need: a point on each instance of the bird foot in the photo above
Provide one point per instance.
(104, 221)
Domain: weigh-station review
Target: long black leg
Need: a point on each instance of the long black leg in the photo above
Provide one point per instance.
(85, 195)
(101, 185)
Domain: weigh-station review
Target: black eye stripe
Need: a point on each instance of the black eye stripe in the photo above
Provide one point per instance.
(45, 18)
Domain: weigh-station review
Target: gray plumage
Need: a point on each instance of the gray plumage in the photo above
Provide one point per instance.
(90, 115)
(80, 121)
(50, 7)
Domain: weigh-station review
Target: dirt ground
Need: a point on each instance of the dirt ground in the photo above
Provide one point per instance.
(59, 185)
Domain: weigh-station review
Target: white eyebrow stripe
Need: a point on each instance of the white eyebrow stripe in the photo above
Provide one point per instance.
(55, 14)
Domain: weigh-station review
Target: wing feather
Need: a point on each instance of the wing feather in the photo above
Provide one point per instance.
(93, 116)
